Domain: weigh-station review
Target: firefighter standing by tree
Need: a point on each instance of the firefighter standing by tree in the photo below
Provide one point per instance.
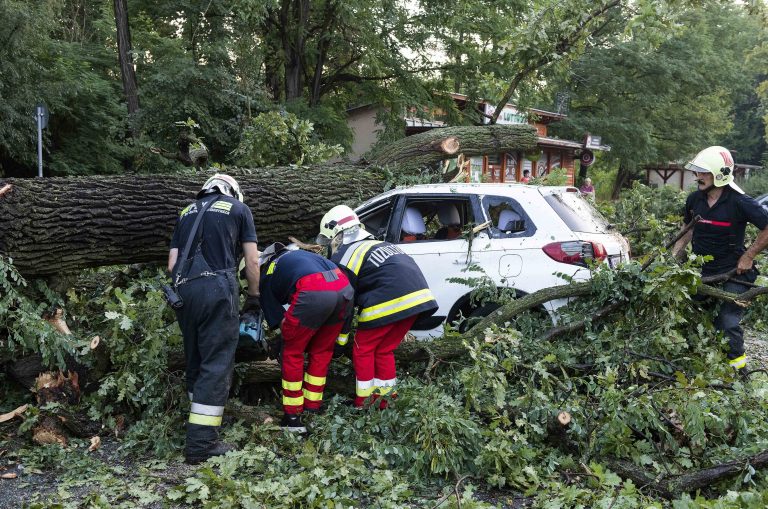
(725, 211)
(212, 245)
(321, 300)
(390, 292)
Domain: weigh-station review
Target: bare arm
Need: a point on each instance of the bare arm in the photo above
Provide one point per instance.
(173, 254)
(760, 243)
(251, 256)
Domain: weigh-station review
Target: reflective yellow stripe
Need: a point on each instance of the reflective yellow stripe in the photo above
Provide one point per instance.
(364, 388)
(395, 305)
(342, 339)
(185, 209)
(271, 268)
(313, 396)
(297, 401)
(291, 386)
(205, 420)
(738, 362)
(384, 390)
(222, 205)
(314, 380)
(364, 393)
(355, 261)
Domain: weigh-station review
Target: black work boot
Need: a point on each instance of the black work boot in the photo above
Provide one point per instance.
(217, 449)
(203, 443)
(292, 423)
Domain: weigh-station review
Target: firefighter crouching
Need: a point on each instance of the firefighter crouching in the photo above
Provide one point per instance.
(321, 300)
(390, 292)
(210, 237)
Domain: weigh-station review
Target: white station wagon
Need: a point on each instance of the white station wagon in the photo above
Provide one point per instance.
(523, 237)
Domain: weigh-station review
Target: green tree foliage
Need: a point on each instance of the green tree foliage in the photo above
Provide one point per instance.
(658, 97)
(276, 138)
(54, 51)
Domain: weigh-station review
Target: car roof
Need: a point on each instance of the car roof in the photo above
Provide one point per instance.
(513, 190)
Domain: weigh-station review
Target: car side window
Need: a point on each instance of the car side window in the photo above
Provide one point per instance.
(508, 218)
(376, 217)
(435, 219)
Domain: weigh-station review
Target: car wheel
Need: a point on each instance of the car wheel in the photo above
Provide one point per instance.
(476, 315)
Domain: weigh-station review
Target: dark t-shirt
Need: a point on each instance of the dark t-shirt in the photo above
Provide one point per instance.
(279, 277)
(720, 232)
(226, 225)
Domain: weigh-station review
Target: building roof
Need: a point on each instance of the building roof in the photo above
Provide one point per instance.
(557, 142)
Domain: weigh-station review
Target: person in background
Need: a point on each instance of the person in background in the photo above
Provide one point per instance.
(320, 302)
(587, 189)
(207, 283)
(526, 177)
(725, 211)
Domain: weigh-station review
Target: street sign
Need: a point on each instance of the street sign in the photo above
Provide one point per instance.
(41, 113)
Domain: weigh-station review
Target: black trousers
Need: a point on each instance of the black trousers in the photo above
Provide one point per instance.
(210, 324)
(728, 319)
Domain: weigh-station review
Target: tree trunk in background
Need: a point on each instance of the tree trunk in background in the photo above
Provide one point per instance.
(60, 225)
(621, 178)
(126, 59)
(294, 15)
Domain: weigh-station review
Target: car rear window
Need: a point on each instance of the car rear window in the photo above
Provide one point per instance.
(577, 213)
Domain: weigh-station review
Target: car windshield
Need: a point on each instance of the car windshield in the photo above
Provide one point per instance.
(577, 213)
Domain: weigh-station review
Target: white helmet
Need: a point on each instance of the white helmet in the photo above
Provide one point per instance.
(274, 251)
(717, 161)
(224, 184)
(340, 219)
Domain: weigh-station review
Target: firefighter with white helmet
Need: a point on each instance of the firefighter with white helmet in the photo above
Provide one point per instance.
(211, 236)
(725, 211)
(390, 294)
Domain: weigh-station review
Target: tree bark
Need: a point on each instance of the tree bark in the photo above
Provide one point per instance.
(126, 59)
(425, 149)
(65, 224)
(672, 486)
(621, 178)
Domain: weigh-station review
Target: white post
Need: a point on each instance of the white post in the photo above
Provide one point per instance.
(39, 141)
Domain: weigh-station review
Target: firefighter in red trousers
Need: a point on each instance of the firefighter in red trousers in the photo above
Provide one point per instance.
(320, 299)
(390, 292)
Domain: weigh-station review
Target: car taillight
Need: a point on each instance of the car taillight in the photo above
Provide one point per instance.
(575, 252)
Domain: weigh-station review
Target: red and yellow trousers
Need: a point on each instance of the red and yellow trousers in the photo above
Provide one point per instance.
(373, 357)
(314, 319)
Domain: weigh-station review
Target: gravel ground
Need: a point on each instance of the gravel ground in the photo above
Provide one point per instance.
(47, 486)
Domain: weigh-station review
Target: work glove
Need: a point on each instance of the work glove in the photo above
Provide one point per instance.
(251, 305)
(275, 348)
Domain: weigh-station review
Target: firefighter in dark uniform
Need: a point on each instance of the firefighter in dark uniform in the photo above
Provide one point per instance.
(208, 286)
(320, 301)
(390, 293)
(725, 211)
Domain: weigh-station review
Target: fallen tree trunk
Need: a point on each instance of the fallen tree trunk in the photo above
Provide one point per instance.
(59, 225)
(427, 148)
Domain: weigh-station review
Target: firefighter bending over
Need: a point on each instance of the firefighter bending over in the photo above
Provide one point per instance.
(320, 299)
(390, 292)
